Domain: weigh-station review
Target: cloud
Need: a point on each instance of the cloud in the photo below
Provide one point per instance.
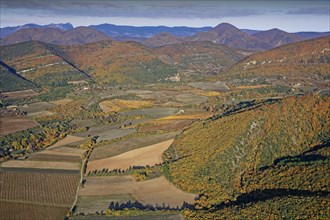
(164, 12)
(311, 11)
(147, 9)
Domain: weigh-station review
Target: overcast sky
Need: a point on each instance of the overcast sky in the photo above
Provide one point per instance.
(294, 15)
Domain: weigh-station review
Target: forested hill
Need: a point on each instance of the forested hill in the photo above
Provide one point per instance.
(308, 58)
(240, 163)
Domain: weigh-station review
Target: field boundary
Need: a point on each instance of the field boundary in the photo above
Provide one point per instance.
(82, 172)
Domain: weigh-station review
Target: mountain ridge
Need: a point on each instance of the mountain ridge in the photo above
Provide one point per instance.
(78, 35)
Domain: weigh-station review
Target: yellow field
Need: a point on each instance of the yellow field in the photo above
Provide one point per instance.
(201, 115)
(206, 93)
(154, 191)
(117, 105)
(251, 87)
(149, 155)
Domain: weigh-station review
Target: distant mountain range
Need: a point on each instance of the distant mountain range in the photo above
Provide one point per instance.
(4, 32)
(79, 35)
(224, 33)
(146, 31)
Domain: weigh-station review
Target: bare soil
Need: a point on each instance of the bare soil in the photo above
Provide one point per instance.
(54, 157)
(9, 125)
(66, 141)
(69, 151)
(149, 155)
(114, 149)
(65, 151)
(155, 191)
(18, 94)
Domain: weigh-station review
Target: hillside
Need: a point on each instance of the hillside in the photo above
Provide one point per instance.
(231, 36)
(10, 81)
(308, 59)
(119, 62)
(161, 40)
(276, 37)
(277, 153)
(40, 63)
(79, 35)
(203, 57)
(310, 35)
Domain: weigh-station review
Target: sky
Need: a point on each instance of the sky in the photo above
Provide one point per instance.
(288, 15)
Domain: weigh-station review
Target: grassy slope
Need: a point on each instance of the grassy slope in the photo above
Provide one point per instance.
(222, 158)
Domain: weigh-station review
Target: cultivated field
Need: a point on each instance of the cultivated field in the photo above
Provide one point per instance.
(41, 164)
(152, 112)
(28, 195)
(109, 132)
(38, 107)
(54, 157)
(61, 101)
(18, 94)
(165, 125)
(191, 98)
(65, 151)
(155, 191)
(94, 203)
(40, 114)
(110, 135)
(70, 139)
(9, 125)
(217, 86)
(149, 155)
(35, 188)
(27, 211)
(117, 105)
(113, 149)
